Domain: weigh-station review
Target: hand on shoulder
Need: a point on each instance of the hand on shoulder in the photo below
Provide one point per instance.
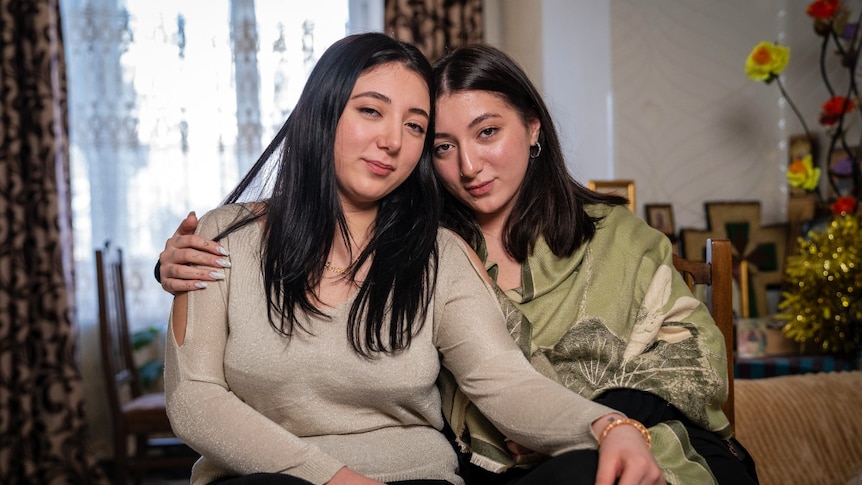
(184, 249)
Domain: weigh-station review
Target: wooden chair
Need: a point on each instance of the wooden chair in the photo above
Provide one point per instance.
(133, 413)
(717, 274)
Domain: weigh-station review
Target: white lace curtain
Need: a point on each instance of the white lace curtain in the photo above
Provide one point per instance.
(169, 102)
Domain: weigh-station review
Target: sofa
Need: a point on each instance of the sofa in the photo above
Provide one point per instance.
(802, 429)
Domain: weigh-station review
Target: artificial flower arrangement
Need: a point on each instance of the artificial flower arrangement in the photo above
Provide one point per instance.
(768, 60)
(822, 299)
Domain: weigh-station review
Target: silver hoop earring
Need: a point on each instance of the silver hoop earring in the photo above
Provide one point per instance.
(538, 150)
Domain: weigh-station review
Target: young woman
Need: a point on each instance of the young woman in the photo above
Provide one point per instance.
(596, 299)
(315, 357)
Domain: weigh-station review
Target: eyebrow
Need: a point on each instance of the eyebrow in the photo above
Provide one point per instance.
(388, 100)
(477, 120)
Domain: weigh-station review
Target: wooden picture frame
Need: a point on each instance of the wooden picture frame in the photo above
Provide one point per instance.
(660, 216)
(759, 250)
(624, 188)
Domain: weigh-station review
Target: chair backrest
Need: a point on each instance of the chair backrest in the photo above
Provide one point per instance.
(717, 274)
(120, 371)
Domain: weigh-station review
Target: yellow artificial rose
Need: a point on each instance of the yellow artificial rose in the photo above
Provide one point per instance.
(766, 61)
(802, 174)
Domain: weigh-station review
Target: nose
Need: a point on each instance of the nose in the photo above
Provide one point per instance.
(469, 164)
(390, 138)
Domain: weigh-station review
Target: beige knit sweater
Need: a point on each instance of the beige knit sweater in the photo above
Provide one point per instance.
(250, 400)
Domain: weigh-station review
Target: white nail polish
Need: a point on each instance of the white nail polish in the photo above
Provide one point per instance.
(223, 263)
(223, 251)
(216, 275)
(201, 284)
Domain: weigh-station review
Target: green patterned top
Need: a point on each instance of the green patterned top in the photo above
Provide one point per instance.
(615, 314)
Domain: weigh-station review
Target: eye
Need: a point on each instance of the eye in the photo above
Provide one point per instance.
(369, 111)
(416, 128)
(488, 132)
(440, 149)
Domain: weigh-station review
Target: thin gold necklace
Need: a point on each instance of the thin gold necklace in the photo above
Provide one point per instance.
(488, 234)
(336, 269)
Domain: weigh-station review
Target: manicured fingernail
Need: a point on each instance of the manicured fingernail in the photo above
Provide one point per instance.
(223, 251)
(216, 275)
(223, 263)
(201, 284)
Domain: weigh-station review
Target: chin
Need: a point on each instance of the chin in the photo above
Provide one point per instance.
(483, 209)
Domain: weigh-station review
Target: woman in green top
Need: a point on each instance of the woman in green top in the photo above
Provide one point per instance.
(589, 289)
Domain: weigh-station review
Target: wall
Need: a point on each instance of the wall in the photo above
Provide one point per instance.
(564, 46)
(689, 125)
(656, 92)
(515, 27)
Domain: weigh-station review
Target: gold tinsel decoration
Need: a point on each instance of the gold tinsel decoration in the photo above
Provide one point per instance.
(822, 303)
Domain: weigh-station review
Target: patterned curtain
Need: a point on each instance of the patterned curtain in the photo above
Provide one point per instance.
(435, 26)
(42, 424)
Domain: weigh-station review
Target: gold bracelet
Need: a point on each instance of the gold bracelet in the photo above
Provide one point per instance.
(631, 422)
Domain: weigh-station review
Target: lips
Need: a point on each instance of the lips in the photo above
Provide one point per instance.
(479, 189)
(379, 168)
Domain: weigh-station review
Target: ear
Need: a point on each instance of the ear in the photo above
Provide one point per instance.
(534, 126)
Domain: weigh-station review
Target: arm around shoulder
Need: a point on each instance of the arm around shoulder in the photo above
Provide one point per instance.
(492, 371)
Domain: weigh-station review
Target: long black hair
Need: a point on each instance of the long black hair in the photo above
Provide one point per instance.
(550, 202)
(303, 211)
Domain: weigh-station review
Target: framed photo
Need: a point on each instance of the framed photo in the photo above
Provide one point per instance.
(660, 216)
(840, 171)
(624, 188)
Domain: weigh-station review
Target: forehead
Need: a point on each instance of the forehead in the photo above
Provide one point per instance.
(393, 78)
(467, 105)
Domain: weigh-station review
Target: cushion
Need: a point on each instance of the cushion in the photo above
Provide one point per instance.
(802, 429)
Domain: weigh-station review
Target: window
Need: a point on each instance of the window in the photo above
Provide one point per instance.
(170, 101)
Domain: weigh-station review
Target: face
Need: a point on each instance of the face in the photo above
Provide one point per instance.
(482, 150)
(380, 135)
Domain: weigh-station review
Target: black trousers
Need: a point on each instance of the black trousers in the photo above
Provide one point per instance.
(577, 467)
(281, 479)
(728, 460)
(572, 468)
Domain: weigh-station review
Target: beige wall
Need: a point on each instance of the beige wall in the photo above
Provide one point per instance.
(564, 45)
(685, 123)
(514, 26)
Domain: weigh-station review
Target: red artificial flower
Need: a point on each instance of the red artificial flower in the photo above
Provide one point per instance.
(834, 109)
(822, 9)
(844, 205)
